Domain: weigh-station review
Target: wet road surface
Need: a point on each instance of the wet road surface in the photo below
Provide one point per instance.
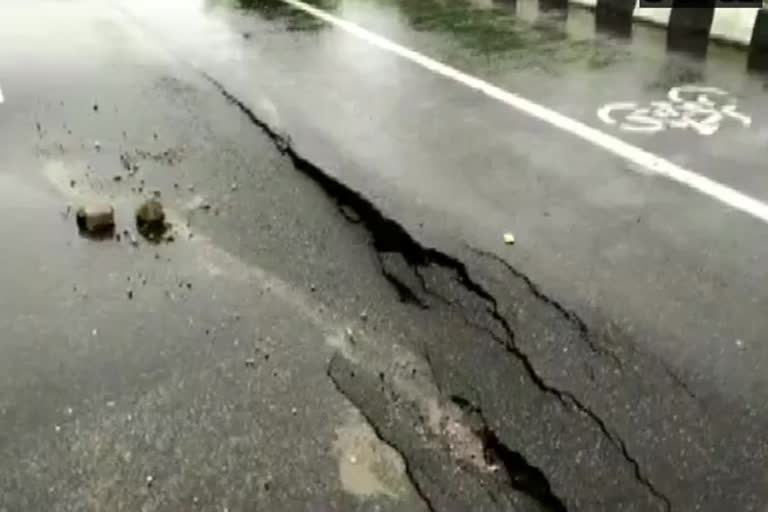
(338, 325)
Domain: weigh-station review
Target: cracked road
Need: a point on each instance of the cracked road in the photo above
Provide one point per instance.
(337, 324)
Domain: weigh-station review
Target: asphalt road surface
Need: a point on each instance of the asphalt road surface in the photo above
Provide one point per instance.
(337, 323)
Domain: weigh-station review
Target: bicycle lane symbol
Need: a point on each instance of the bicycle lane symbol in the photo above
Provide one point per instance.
(699, 108)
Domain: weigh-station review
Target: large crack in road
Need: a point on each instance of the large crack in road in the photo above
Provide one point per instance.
(520, 438)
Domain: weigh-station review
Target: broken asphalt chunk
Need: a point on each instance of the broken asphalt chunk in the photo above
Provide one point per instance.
(150, 220)
(96, 219)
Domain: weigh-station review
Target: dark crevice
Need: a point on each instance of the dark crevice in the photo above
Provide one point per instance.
(349, 213)
(578, 322)
(390, 237)
(569, 400)
(569, 315)
(426, 290)
(520, 474)
(566, 398)
(372, 423)
(404, 292)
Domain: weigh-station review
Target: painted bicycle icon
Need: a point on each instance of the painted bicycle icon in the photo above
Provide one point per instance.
(698, 108)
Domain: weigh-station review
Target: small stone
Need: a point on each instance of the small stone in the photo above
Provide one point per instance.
(150, 479)
(364, 316)
(250, 362)
(110, 404)
(740, 343)
(95, 107)
(96, 218)
(234, 187)
(353, 459)
(117, 177)
(129, 292)
(97, 145)
(509, 238)
(294, 411)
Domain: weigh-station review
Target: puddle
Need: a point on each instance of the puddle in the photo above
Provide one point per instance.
(367, 466)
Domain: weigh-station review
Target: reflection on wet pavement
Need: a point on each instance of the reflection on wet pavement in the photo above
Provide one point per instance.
(274, 10)
(493, 33)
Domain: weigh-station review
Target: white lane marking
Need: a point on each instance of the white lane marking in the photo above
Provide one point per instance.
(1, 95)
(654, 164)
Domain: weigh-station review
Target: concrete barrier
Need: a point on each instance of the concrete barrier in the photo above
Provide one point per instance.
(690, 29)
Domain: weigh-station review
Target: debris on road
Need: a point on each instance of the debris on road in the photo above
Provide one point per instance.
(126, 161)
(250, 362)
(96, 218)
(509, 238)
(150, 220)
(97, 145)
